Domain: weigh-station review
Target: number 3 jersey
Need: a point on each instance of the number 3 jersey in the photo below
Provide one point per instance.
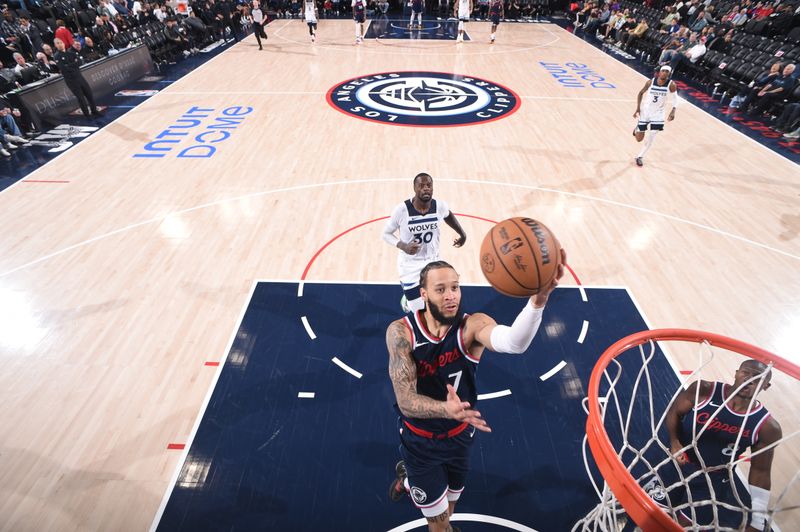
(441, 361)
(717, 444)
(424, 229)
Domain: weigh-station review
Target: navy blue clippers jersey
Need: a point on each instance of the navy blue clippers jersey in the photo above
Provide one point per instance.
(441, 361)
(717, 445)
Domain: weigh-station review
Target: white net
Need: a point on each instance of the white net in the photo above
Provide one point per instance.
(703, 485)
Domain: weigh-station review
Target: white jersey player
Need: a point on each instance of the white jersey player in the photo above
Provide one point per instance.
(418, 221)
(463, 9)
(651, 110)
(311, 18)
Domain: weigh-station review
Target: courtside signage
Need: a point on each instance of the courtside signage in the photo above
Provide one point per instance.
(196, 134)
(576, 76)
(423, 99)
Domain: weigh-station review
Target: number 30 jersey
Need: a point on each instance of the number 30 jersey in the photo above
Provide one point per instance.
(441, 361)
(424, 229)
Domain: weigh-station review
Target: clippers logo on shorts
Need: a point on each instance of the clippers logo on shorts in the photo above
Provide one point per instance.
(418, 495)
(423, 99)
(655, 490)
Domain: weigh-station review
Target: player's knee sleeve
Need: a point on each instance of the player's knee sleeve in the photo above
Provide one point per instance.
(453, 495)
(430, 508)
(460, 25)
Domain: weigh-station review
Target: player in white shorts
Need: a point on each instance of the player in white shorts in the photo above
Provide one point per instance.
(463, 9)
(311, 18)
(650, 112)
(418, 221)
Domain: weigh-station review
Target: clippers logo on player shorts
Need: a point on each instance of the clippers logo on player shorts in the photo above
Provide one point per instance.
(423, 99)
(655, 490)
(418, 495)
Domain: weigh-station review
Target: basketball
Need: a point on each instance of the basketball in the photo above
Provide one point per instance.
(519, 256)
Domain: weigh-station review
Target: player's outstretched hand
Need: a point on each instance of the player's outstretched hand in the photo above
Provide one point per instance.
(636, 114)
(540, 299)
(458, 242)
(671, 116)
(460, 411)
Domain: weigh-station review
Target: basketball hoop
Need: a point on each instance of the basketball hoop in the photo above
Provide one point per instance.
(628, 450)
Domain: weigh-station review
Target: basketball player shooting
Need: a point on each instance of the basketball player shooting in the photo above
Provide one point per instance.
(731, 419)
(433, 358)
(419, 220)
(650, 113)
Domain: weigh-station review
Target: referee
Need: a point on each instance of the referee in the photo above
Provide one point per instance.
(69, 64)
(259, 21)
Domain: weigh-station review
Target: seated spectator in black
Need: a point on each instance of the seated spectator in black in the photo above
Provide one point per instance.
(722, 43)
(629, 38)
(583, 14)
(789, 119)
(743, 99)
(8, 79)
(628, 25)
(174, 35)
(44, 64)
(101, 35)
(777, 89)
(110, 24)
(512, 9)
(593, 23)
(121, 23)
(9, 30)
(195, 27)
(780, 22)
(29, 39)
(88, 51)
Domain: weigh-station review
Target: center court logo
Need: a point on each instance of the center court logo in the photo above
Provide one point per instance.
(423, 99)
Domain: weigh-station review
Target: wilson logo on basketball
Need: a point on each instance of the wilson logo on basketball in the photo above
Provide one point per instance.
(423, 99)
(541, 239)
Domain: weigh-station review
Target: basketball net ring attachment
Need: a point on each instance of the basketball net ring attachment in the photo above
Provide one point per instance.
(629, 459)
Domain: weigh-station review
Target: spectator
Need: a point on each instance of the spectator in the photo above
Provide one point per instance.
(63, 33)
(44, 64)
(30, 40)
(88, 51)
(789, 118)
(777, 89)
(671, 17)
(692, 55)
(722, 44)
(101, 34)
(744, 98)
(628, 38)
(8, 121)
(676, 46)
(174, 35)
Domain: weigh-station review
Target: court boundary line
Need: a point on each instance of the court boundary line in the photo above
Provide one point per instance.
(694, 105)
(293, 188)
(203, 407)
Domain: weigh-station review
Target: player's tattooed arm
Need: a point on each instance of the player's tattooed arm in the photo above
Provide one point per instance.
(403, 373)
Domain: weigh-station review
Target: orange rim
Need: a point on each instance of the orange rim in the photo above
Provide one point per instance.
(639, 506)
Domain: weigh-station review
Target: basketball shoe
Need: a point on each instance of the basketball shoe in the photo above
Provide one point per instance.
(398, 488)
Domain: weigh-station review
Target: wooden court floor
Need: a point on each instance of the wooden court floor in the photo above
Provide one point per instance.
(117, 287)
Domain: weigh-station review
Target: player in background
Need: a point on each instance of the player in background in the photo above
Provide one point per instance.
(418, 221)
(650, 111)
(462, 10)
